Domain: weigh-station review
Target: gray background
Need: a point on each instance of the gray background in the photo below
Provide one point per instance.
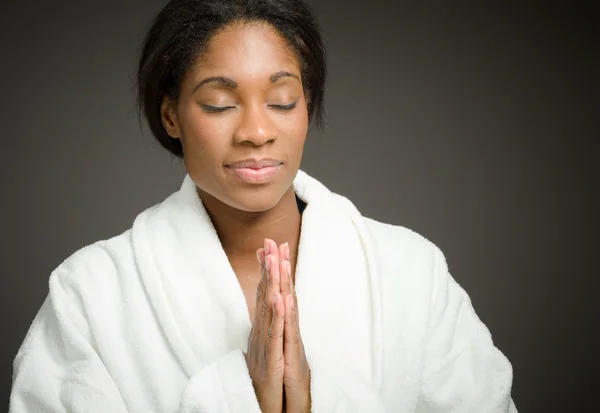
(476, 127)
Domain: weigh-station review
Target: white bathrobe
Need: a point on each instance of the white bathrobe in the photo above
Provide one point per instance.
(154, 320)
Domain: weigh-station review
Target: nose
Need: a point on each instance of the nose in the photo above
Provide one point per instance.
(255, 126)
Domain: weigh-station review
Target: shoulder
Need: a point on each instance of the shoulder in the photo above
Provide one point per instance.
(390, 239)
(84, 282)
(404, 253)
(95, 267)
(393, 239)
(108, 260)
(405, 259)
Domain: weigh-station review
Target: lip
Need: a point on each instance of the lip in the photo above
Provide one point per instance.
(255, 171)
(254, 163)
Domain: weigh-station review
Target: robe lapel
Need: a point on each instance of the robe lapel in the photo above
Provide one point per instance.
(199, 303)
(194, 291)
(333, 282)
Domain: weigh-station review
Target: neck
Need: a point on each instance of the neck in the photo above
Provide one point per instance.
(241, 233)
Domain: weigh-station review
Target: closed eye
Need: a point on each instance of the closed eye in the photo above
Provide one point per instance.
(216, 109)
(284, 107)
(219, 109)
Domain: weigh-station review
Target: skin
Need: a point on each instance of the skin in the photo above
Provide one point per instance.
(262, 114)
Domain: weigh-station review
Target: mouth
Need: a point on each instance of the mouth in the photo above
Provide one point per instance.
(255, 171)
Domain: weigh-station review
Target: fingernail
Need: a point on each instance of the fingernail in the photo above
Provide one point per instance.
(266, 246)
(286, 251)
(267, 263)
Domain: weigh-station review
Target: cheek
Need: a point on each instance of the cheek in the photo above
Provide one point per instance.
(204, 135)
(295, 128)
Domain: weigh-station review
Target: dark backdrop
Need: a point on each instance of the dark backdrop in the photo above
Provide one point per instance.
(476, 127)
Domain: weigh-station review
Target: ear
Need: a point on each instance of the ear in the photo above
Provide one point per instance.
(168, 116)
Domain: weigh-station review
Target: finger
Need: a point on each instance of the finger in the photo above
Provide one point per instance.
(292, 283)
(275, 334)
(260, 294)
(295, 312)
(282, 254)
(272, 267)
(286, 278)
(291, 342)
(261, 289)
(292, 290)
(260, 256)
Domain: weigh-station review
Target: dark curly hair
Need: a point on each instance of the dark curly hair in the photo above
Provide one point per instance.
(181, 31)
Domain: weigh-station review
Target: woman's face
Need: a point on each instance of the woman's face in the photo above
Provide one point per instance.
(242, 101)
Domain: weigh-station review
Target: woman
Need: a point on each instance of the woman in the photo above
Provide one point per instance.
(175, 314)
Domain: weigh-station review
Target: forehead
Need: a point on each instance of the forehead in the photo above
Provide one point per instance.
(246, 51)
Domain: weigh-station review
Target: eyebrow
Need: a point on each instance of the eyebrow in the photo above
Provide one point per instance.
(276, 76)
(230, 83)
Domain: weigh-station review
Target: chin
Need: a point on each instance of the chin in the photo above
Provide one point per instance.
(246, 197)
(256, 200)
